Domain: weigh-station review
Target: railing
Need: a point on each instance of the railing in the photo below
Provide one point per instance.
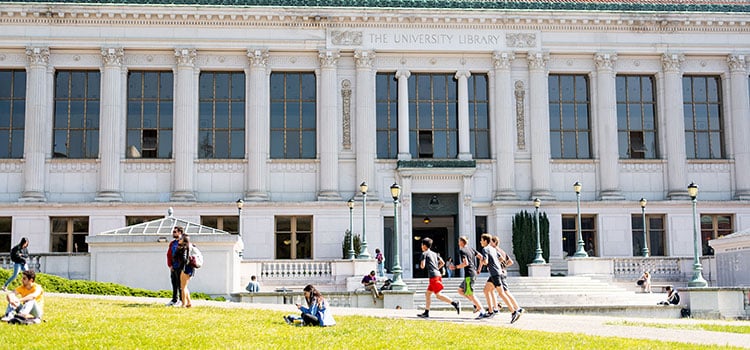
(660, 268)
(68, 265)
(34, 262)
(294, 269)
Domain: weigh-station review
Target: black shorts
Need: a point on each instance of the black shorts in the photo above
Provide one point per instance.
(498, 281)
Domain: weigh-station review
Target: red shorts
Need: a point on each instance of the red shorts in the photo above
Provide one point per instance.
(436, 284)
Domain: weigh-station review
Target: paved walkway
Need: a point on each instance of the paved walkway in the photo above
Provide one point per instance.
(591, 325)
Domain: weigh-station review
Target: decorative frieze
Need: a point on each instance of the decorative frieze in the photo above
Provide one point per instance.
(328, 58)
(293, 166)
(652, 167)
(605, 61)
(502, 60)
(672, 62)
(346, 109)
(220, 167)
(11, 166)
(737, 63)
(185, 56)
(522, 40)
(346, 37)
(150, 166)
(567, 166)
(258, 57)
(709, 167)
(112, 56)
(519, 92)
(77, 166)
(38, 55)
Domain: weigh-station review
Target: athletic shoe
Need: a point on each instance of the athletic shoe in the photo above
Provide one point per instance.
(171, 303)
(457, 304)
(288, 320)
(178, 303)
(490, 314)
(481, 316)
(476, 309)
(513, 317)
(497, 311)
(424, 315)
(9, 316)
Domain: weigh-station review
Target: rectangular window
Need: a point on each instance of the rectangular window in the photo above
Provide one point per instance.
(149, 120)
(386, 104)
(479, 126)
(388, 242)
(704, 130)
(135, 220)
(570, 234)
(570, 130)
(12, 112)
(293, 237)
(293, 115)
(655, 234)
(224, 223)
(6, 229)
(636, 117)
(221, 130)
(714, 226)
(433, 116)
(76, 124)
(68, 234)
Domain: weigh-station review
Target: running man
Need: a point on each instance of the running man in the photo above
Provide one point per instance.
(490, 257)
(467, 257)
(433, 262)
(508, 298)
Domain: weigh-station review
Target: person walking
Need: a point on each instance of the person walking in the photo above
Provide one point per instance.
(18, 255)
(467, 257)
(379, 257)
(433, 263)
(186, 269)
(174, 266)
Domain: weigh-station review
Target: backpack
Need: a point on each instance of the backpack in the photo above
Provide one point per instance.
(196, 257)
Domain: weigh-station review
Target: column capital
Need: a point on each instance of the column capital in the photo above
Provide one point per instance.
(672, 62)
(37, 55)
(258, 57)
(328, 58)
(112, 56)
(737, 63)
(605, 60)
(463, 74)
(363, 58)
(538, 60)
(185, 56)
(502, 60)
(403, 73)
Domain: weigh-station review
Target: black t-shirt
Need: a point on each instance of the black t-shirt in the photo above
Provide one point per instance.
(470, 270)
(431, 262)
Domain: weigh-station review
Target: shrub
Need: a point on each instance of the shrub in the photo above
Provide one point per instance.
(524, 239)
(345, 245)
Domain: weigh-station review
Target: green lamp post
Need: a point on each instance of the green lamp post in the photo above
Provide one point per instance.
(644, 250)
(581, 251)
(538, 259)
(398, 283)
(698, 280)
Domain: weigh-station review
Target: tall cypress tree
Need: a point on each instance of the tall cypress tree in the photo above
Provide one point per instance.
(524, 239)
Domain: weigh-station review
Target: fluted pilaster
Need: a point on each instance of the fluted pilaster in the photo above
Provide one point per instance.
(740, 111)
(464, 153)
(329, 155)
(257, 133)
(365, 137)
(675, 126)
(110, 145)
(403, 114)
(606, 127)
(185, 125)
(539, 125)
(502, 112)
(36, 130)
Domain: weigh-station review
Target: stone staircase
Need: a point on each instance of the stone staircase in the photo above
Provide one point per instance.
(574, 294)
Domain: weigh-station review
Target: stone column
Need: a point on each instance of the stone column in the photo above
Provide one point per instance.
(464, 153)
(675, 126)
(185, 126)
(606, 127)
(110, 146)
(366, 138)
(539, 126)
(257, 131)
(740, 111)
(37, 111)
(502, 114)
(403, 114)
(328, 129)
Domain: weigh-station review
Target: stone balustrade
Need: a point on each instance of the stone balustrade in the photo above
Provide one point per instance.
(295, 269)
(661, 268)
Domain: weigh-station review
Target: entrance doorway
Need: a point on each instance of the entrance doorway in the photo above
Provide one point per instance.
(439, 236)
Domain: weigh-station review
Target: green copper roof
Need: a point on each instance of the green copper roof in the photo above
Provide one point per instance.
(571, 5)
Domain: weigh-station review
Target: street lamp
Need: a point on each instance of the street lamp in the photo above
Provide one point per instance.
(398, 283)
(644, 250)
(697, 280)
(350, 253)
(581, 251)
(240, 203)
(538, 259)
(364, 254)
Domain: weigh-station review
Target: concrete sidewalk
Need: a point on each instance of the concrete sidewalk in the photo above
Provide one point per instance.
(592, 325)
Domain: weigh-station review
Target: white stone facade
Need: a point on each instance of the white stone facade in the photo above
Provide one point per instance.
(345, 48)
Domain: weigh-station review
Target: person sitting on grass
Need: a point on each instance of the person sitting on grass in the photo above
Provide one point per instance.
(27, 301)
(316, 312)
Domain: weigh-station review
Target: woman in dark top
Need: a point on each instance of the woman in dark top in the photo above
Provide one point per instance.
(18, 254)
(183, 256)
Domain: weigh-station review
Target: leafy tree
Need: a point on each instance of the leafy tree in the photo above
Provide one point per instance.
(524, 239)
(345, 244)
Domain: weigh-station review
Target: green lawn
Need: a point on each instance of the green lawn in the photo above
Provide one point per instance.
(713, 327)
(85, 323)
